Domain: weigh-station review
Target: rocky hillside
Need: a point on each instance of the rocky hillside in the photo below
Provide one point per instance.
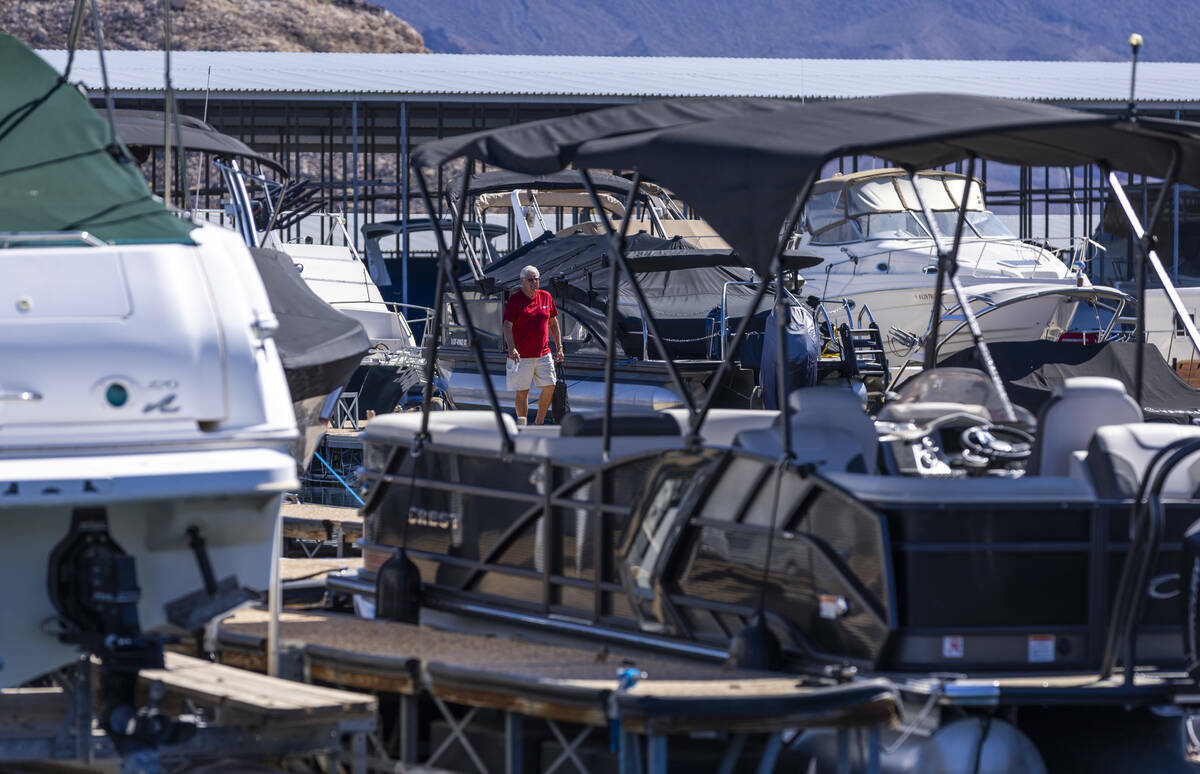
(818, 29)
(219, 25)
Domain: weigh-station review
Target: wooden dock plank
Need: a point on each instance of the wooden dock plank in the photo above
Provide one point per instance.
(311, 521)
(228, 686)
(495, 654)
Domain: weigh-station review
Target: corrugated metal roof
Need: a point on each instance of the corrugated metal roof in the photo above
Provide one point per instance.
(431, 76)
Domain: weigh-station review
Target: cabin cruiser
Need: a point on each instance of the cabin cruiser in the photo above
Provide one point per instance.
(880, 253)
(140, 486)
(982, 559)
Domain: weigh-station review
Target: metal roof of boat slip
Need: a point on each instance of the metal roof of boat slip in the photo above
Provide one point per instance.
(442, 76)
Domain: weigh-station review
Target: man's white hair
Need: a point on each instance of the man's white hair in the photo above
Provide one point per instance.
(530, 269)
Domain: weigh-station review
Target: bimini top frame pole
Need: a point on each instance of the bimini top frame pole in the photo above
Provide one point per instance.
(948, 268)
(446, 271)
(1149, 257)
(618, 248)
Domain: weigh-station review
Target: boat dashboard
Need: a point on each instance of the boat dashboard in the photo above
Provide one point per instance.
(951, 423)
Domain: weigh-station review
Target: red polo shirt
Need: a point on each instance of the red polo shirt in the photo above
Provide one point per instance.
(531, 321)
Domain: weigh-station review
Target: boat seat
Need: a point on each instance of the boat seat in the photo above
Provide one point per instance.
(588, 450)
(1066, 423)
(471, 429)
(1118, 455)
(829, 429)
(721, 426)
(625, 423)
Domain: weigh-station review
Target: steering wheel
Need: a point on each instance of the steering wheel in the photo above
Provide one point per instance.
(997, 443)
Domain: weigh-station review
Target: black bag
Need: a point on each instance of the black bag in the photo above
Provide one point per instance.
(559, 407)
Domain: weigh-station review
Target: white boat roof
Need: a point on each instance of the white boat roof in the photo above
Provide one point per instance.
(446, 77)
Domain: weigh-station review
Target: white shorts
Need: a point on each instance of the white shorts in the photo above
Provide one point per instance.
(536, 370)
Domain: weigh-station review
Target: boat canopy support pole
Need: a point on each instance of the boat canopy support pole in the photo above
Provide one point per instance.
(948, 264)
(404, 166)
(439, 306)
(1149, 257)
(446, 271)
(618, 248)
(744, 326)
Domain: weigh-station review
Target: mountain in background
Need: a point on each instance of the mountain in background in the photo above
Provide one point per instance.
(819, 29)
(218, 25)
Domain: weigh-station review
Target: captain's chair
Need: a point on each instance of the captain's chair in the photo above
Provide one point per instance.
(1077, 409)
(830, 429)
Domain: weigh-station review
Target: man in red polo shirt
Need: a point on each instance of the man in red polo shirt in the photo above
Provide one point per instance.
(528, 317)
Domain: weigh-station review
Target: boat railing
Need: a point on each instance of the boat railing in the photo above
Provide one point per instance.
(422, 316)
(21, 238)
(930, 252)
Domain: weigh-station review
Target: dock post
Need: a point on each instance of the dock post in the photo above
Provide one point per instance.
(843, 751)
(275, 593)
(409, 729)
(514, 743)
(358, 752)
(766, 764)
(874, 745)
(733, 751)
(629, 754)
(656, 754)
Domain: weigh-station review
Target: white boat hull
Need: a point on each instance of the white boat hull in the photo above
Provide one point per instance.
(157, 396)
(908, 309)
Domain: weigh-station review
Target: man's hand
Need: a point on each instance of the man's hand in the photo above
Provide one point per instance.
(558, 357)
(513, 354)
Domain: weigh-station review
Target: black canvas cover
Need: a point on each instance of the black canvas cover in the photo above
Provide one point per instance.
(742, 162)
(320, 347)
(144, 129)
(1031, 370)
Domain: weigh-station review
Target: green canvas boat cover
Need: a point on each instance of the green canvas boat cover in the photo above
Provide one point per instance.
(60, 167)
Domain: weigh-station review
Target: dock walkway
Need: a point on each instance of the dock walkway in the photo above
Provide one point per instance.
(322, 525)
(524, 689)
(241, 716)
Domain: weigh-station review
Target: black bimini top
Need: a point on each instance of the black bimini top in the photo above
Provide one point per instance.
(144, 128)
(742, 162)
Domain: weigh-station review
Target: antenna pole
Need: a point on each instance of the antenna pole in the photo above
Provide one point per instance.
(167, 171)
(1135, 44)
(207, 86)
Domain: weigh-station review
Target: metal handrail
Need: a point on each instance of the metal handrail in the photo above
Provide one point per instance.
(931, 249)
(8, 238)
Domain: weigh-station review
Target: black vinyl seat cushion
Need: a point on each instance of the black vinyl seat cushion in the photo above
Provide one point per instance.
(625, 423)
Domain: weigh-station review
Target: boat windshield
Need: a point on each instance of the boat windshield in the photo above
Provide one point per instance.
(888, 208)
(958, 385)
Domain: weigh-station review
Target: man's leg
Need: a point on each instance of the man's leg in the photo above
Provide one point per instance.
(544, 403)
(522, 404)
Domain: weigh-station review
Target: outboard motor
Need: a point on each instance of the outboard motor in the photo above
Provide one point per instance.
(93, 585)
(802, 350)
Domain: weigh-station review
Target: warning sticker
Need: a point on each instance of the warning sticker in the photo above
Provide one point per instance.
(952, 647)
(1041, 648)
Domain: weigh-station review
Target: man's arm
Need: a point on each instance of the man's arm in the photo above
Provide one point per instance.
(556, 334)
(509, 342)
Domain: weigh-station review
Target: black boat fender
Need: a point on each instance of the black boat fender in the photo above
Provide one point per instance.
(398, 589)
